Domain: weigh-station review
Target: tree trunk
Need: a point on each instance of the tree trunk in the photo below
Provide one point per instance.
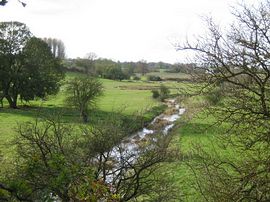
(84, 117)
(12, 102)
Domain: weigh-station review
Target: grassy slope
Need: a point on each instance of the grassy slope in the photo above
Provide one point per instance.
(195, 128)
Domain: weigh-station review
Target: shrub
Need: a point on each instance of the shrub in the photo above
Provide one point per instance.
(164, 92)
(153, 78)
(136, 78)
(155, 94)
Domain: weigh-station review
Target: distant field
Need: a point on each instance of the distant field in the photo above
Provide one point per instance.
(166, 75)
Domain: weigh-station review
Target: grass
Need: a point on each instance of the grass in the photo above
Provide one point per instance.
(125, 98)
(194, 128)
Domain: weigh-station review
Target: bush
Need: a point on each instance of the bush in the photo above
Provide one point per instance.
(153, 78)
(164, 92)
(155, 94)
(136, 78)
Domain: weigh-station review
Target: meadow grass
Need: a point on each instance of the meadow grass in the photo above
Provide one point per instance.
(196, 128)
(123, 97)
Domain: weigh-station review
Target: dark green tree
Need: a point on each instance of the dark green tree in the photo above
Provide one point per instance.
(27, 67)
(43, 70)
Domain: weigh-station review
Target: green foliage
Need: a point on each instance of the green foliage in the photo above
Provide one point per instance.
(215, 96)
(114, 73)
(155, 94)
(50, 159)
(110, 70)
(82, 93)
(153, 78)
(162, 93)
(136, 78)
(27, 66)
(42, 70)
(56, 162)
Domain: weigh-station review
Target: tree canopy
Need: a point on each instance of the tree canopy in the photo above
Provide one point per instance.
(27, 65)
(82, 94)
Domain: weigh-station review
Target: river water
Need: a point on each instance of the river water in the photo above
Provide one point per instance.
(129, 148)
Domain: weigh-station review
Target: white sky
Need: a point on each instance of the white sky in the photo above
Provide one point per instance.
(125, 30)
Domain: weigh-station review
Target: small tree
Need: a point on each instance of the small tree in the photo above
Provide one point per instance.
(82, 94)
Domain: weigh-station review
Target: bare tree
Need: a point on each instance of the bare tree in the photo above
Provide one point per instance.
(236, 63)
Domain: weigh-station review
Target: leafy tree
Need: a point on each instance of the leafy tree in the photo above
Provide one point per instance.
(87, 63)
(43, 70)
(27, 66)
(142, 67)
(82, 93)
(13, 37)
(110, 70)
(103, 64)
(114, 73)
(238, 62)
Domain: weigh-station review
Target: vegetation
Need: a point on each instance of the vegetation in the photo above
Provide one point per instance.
(57, 47)
(56, 160)
(237, 63)
(28, 69)
(153, 78)
(82, 93)
(224, 135)
(162, 93)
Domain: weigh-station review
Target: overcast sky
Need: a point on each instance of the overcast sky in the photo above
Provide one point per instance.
(125, 30)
